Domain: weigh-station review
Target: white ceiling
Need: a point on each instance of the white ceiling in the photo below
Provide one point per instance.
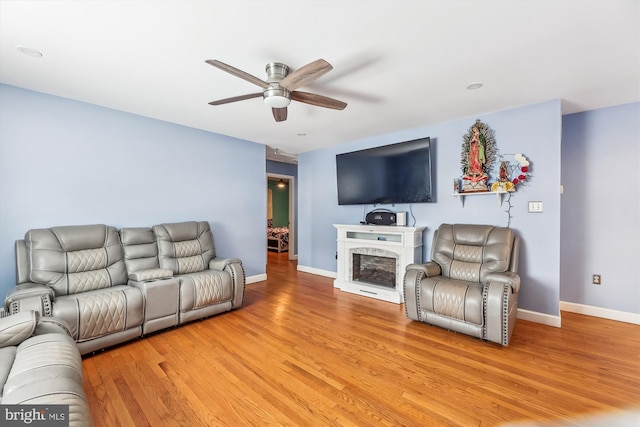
(398, 64)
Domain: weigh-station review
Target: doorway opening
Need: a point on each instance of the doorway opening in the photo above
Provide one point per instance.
(281, 214)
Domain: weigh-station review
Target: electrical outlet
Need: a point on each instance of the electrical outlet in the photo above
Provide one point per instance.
(597, 280)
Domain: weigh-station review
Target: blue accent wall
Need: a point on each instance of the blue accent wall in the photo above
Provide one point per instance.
(601, 208)
(534, 131)
(64, 162)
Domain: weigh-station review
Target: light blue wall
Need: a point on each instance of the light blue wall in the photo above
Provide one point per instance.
(535, 131)
(64, 162)
(601, 208)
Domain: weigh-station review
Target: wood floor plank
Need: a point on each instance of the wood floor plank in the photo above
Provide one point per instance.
(300, 352)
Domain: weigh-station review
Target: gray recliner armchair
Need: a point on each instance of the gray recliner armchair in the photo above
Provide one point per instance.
(471, 283)
(77, 274)
(208, 285)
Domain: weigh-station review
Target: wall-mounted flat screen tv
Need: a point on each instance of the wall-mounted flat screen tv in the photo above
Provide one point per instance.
(395, 173)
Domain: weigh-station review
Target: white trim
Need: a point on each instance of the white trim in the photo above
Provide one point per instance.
(543, 318)
(256, 278)
(605, 313)
(317, 271)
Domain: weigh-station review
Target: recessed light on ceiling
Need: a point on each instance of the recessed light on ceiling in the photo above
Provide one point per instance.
(29, 52)
(474, 86)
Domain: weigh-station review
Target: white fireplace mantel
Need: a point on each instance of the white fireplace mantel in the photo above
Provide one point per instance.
(404, 244)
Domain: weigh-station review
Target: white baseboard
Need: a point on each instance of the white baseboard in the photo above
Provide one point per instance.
(543, 318)
(605, 313)
(319, 272)
(256, 278)
(532, 316)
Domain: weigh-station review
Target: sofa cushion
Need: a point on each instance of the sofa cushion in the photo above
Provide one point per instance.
(470, 252)
(455, 299)
(43, 357)
(140, 248)
(185, 247)
(101, 312)
(7, 355)
(73, 259)
(204, 288)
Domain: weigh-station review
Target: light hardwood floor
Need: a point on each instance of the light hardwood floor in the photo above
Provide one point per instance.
(301, 353)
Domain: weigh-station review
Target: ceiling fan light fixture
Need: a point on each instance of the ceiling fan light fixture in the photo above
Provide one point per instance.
(277, 97)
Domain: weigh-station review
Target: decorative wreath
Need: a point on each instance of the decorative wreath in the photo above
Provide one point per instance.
(487, 139)
(519, 170)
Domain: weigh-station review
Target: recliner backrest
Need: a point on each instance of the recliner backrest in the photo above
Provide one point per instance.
(470, 252)
(74, 259)
(140, 248)
(185, 247)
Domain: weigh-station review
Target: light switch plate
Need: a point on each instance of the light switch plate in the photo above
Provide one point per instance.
(535, 207)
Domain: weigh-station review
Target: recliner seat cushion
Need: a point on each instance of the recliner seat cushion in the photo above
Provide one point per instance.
(44, 357)
(100, 312)
(456, 299)
(204, 288)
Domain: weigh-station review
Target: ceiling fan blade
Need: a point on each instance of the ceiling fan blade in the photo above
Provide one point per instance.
(318, 100)
(280, 114)
(305, 75)
(238, 73)
(235, 98)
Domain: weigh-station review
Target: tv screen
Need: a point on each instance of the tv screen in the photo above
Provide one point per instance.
(396, 173)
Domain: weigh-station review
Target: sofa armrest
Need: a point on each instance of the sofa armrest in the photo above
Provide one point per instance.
(27, 290)
(430, 269)
(150, 274)
(411, 288)
(509, 278)
(501, 311)
(30, 296)
(17, 327)
(234, 267)
(221, 263)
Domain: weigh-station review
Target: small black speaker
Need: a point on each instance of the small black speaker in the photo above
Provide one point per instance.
(381, 217)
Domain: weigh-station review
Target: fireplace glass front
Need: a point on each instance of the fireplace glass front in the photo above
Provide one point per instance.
(374, 269)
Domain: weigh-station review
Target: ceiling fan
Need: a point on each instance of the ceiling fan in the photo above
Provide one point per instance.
(280, 86)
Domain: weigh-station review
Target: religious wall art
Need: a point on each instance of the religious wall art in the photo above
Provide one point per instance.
(478, 156)
(479, 153)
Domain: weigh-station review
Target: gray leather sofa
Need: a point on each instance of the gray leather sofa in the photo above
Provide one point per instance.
(471, 283)
(40, 364)
(110, 286)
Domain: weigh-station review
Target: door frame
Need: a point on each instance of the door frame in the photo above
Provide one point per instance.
(292, 212)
